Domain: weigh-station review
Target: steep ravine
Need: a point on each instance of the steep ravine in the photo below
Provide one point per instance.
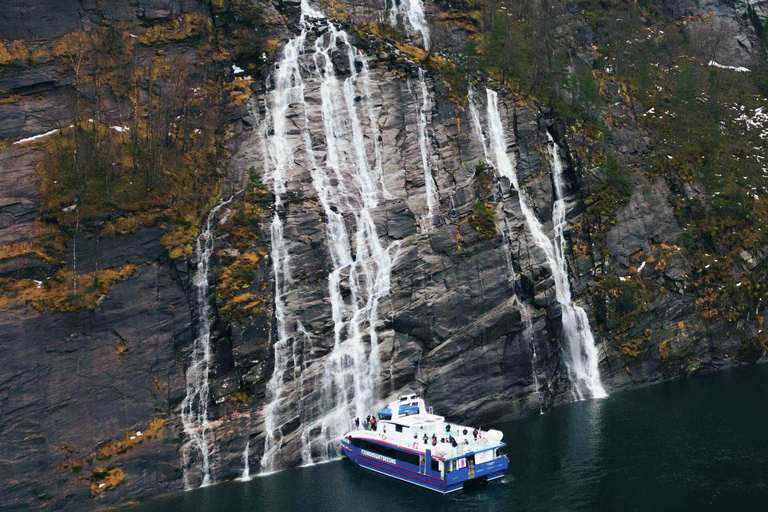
(364, 266)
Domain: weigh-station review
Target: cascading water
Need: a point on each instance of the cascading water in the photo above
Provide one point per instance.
(246, 475)
(474, 117)
(429, 181)
(194, 407)
(414, 19)
(348, 187)
(581, 353)
(350, 373)
(289, 88)
(525, 311)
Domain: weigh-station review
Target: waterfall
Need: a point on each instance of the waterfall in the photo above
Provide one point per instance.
(414, 19)
(348, 186)
(289, 88)
(194, 407)
(429, 181)
(348, 192)
(474, 117)
(581, 353)
(246, 475)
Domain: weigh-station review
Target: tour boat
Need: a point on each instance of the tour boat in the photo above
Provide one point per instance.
(393, 444)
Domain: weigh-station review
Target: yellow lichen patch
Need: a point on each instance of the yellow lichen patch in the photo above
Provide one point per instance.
(17, 249)
(104, 480)
(132, 438)
(464, 20)
(121, 348)
(47, 244)
(242, 227)
(631, 348)
(127, 225)
(11, 51)
(663, 350)
(270, 45)
(336, 9)
(236, 277)
(60, 293)
(184, 27)
(239, 92)
(179, 241)
(239, 397)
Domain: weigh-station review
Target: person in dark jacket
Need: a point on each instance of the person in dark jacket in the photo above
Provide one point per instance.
(426, 439)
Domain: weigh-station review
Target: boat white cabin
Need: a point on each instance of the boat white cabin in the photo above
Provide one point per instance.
(407, 441)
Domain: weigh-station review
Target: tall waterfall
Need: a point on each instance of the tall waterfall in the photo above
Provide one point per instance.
(351, 370)
(424, 145)
(581, 353)
(288, 88)
(246, 474)
(414, 19)
(349, 184)
(524, 308)
(194, 407)
(474, 117)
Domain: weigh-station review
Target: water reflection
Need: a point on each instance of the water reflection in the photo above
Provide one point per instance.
(683, 446)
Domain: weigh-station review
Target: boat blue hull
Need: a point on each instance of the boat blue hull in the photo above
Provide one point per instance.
(409, 473)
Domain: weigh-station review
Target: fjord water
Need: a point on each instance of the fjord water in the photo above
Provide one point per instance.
(688, 445)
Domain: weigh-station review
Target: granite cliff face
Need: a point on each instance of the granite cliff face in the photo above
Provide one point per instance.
(466, 307)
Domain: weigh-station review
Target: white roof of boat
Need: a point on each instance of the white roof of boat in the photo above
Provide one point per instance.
(417, 420)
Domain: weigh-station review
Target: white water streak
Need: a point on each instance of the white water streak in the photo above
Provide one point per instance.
(350, 372)
(348, 188)
(289, 88)
(474, 117)
(581, 353)
(246, 475)
(430, 186)
(414, 19)
(194, 407)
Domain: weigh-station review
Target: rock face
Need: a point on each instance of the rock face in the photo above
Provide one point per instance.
(73, 381)
(467, 307)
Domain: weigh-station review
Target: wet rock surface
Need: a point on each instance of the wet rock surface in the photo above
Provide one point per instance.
(451, 327)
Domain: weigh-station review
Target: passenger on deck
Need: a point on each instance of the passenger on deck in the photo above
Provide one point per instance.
(434, 440)
(448, 427)
(453, 442)
(474, 433)
(426, 439)
(357, 422)
(465, 432)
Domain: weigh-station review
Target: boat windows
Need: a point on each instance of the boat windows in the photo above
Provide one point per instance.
(410, 458)
(398, 428)
(435, 466)
(375, 448)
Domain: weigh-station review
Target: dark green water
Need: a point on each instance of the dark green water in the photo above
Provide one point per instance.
(697, 444)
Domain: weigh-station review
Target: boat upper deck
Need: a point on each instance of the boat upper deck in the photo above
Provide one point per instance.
(406, 422)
